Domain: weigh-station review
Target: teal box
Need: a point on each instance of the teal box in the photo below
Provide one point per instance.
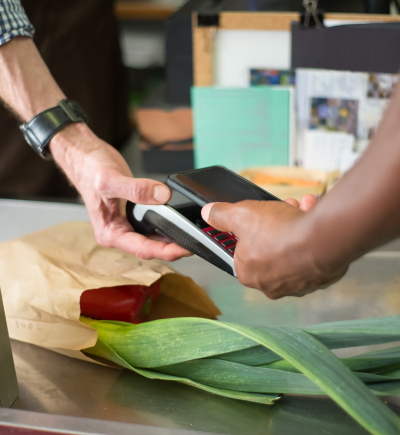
(242, 127)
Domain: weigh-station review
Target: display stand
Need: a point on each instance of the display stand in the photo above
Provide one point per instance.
(8, 379)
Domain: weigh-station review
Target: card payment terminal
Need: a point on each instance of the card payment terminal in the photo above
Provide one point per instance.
(183, 224)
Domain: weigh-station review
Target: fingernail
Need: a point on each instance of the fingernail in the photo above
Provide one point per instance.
(205, 212)
(161, 194)
(189, 254)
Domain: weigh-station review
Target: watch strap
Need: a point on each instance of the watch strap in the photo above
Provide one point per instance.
(39, 131)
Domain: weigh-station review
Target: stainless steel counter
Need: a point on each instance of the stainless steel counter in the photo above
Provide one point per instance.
(53, 385)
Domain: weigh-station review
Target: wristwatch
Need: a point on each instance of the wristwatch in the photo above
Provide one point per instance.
(39, 131)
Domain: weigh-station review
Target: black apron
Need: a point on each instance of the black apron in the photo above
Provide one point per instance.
(78, 40)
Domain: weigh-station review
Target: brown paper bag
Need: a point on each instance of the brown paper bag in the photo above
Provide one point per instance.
(42, 277)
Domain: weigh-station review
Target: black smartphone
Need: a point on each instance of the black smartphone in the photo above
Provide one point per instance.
(216, 184)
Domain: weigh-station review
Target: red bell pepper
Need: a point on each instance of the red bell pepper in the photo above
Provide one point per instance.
(127, 303)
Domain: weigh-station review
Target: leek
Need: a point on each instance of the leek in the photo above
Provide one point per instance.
(257, 364)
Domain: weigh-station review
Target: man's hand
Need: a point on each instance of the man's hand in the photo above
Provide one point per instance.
(102, 177)
(95, 168)
(274, 252)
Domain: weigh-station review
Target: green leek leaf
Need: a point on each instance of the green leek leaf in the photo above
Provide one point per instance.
(189, 350)
(102, 350)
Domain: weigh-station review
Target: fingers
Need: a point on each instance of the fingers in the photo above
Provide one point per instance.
(308, 202)
(301, 288)
(160, 238)
(293, 202)
(220, 215)
(138, 190)
(148, 249)
(119, 234)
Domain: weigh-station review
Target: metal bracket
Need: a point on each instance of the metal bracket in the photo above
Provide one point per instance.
(208, 19)
(208, 13)
(8, 378)
(311, 16)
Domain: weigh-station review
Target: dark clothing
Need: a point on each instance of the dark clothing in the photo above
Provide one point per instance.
(78, 40)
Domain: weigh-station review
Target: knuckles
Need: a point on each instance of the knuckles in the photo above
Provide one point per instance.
(101, 183)
(140, 192)
(245, 276)
(272, 295)
(104, 239)
(250, 273)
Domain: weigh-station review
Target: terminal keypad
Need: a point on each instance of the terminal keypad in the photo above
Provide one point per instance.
(226, 240)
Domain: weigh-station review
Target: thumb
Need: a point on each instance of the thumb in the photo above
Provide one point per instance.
(137, 190)
(219, 215)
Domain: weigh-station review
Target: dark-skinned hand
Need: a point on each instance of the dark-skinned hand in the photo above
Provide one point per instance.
(273, 253)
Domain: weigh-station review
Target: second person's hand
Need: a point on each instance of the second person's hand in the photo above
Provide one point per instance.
(274, 252)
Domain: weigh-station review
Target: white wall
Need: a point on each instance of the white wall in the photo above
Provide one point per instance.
(237, 51)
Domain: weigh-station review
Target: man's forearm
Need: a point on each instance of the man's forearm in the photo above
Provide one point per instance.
(96, 169)
(26, 86)
(362, 211)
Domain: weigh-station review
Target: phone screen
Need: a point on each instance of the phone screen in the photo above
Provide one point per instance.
(216, 184)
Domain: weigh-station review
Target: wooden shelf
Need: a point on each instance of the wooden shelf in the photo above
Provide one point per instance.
(142, 10)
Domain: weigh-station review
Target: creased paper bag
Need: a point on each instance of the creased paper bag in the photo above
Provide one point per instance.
(43, 274)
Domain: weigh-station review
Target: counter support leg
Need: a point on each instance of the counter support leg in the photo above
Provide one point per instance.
(8, 379)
